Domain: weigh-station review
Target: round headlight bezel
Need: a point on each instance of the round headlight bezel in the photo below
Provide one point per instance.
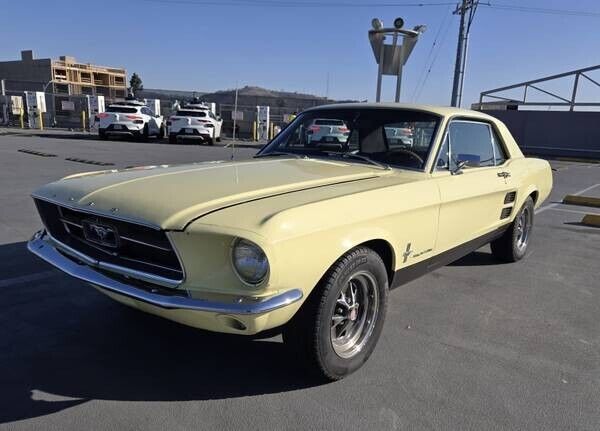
(248, 282)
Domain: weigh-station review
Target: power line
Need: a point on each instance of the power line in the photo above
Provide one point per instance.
(296, 4)
(444, 26)
(541, 10)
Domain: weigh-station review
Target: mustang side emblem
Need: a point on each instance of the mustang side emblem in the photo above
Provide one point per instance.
(100, 233)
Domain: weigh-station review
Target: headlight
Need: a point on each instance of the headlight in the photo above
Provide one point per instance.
(249, 261)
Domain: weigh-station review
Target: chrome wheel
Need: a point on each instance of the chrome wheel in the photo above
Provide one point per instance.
(354, 315)
(523, 225)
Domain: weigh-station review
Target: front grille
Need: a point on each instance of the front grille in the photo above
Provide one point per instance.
(135, 247)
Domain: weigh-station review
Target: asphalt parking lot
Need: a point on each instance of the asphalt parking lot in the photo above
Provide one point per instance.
(474, 345)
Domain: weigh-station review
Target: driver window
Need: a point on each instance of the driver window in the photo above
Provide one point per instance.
(470, 142)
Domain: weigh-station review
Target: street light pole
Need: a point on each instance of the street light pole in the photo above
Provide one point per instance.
(391, 58)
(380, 71)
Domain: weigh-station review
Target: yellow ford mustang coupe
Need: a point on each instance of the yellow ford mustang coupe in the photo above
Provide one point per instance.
(308, 237)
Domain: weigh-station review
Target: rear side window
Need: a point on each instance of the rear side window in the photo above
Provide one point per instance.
(147, 111)
(499, 152)
(470, 142)
(199, 114)
(121, 109)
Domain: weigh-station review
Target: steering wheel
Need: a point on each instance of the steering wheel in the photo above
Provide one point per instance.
(411, 154)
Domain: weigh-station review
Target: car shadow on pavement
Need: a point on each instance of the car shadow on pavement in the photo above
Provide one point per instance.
(62, 343)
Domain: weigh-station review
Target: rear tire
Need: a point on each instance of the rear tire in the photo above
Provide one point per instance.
(146, 133)
(161, 132)
(172, 139)
(338, 326)
(513, 243)
(102, 135)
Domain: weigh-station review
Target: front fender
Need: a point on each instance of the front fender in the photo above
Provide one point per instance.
(314, 254)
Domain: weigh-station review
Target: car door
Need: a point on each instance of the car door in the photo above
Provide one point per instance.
(473, 183)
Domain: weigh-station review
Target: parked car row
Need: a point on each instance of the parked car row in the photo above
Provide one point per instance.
(132, 118)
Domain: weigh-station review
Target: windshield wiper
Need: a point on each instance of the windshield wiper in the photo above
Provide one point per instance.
(366, 159)
(281, 153)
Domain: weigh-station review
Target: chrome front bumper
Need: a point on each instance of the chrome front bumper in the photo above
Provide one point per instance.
(41, 246)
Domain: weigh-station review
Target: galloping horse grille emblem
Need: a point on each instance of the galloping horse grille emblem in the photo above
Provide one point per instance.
(100, 233)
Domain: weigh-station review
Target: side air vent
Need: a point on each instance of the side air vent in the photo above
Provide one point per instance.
(506, 212)
(510, 197)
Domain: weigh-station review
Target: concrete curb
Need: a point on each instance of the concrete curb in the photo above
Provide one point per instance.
(591, 220)
(582, 201)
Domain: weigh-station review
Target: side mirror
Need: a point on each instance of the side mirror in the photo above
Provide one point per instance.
(459, 167)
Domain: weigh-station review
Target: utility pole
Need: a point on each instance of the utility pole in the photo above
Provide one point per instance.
(466, 9)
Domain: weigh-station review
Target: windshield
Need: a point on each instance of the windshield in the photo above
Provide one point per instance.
(191, 113)
(121, 109)
(396, 137)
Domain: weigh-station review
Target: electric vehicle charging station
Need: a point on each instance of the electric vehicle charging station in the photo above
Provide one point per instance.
(213, 107)
(36, 106)
(263, 122)
(96, 105)
(153, 104)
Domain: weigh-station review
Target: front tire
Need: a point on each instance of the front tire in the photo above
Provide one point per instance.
(336, 330)
(513, 243)
(172, 139)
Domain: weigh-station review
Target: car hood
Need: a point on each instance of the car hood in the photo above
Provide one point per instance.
(170, 197)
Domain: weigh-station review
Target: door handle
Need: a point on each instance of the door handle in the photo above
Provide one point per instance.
(504, 174)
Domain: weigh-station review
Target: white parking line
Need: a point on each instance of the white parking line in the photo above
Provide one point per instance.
(27, 278)
(580, 192)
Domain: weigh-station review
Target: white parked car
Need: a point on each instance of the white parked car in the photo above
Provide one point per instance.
(195, 121)
(399, 136)
(324, 131)
(130, 118)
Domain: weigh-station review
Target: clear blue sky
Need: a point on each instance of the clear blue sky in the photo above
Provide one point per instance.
(189, 46)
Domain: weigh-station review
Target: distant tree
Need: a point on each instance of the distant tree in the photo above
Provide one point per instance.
(135, 83)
